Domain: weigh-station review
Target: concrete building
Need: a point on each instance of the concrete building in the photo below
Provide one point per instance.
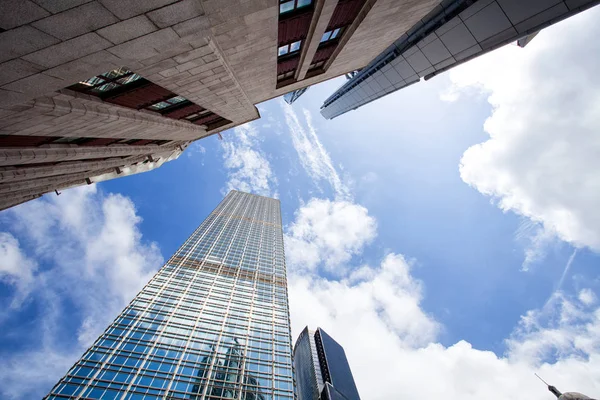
(321, 368)
(454, 32)
(95, 89)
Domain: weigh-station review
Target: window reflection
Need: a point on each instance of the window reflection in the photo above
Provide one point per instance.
(228, 372)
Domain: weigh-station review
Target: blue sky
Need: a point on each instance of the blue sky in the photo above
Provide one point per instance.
(448, 231)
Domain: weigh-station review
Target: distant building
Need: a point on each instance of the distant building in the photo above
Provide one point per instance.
(454, 32)
(322, 369)
(293, 96)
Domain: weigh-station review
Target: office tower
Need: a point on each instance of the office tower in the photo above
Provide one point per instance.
(322, 369)
(212, 323)
(454, 32)
(293, 96)
(89, 91)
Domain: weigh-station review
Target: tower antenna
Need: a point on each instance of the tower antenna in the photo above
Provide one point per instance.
(545, 383)
(551, 388)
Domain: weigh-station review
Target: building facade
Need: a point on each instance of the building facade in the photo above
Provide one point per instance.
(454, 32)
(89, 89)
(213, 323)
(322, 369)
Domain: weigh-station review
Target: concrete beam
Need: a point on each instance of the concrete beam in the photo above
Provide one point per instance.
(34, 155)
(22, 173)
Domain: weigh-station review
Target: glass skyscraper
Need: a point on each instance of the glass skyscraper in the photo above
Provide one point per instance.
(213, 323)
(322, 369)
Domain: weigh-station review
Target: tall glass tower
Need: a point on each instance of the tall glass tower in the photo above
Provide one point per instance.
(213, 323)
(322, 369)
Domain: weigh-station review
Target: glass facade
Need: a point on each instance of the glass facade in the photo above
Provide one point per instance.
(293, 96)
(322, 369)
(213, 323)
(309, 382)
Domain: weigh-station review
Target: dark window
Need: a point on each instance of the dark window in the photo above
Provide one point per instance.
(317, 65)
(286, 6)
(286, 75)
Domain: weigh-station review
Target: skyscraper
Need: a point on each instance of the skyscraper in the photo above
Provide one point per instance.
(452, 33)
(212, 323)
(322, 369)
(295, 95)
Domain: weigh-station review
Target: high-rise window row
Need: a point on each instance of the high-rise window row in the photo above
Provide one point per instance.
(213, 323)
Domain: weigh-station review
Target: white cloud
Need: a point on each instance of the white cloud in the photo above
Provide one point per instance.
(328, 232)
(250, 170)
(536, 241)
(386, 302)
(541, 159)
(195, 148)
(15, 267)
(94, 260)
(391, 343)
(314, 158)
(587, 296)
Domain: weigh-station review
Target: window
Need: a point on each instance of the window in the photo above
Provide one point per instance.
(285, 6)
(167, 103)
(197, 115)
(330, 35)
(286, 75)
(109, 81)
(289, 48)
(317, 65)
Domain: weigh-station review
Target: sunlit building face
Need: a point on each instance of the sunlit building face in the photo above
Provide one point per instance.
(213, 323)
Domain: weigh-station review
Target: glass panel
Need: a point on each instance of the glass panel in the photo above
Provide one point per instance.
(176, 100)
(116, 72)
(295, 46)
(129, 79)
(335, 33)
(283, 50)
(159, 106)
(325, 36)
(304, 3)
(286, 7)
(92, 81)
(106, 87)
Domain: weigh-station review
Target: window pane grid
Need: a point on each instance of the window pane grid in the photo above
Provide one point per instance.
(200, 329)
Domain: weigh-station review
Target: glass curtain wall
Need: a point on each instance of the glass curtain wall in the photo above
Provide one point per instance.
(213, 323)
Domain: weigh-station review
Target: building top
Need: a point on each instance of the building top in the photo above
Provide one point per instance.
(335, 366)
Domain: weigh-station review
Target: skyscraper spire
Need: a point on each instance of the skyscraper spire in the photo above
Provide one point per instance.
(564, 396)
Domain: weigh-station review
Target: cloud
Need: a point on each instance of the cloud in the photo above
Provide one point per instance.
(92, 261)
(15, 267)
(249, 169)
(587, 297)
(195, 148)
(541, 159)
(393, 345)
(385, 300)
(327, 233)
(314, 158)
(536, 241)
